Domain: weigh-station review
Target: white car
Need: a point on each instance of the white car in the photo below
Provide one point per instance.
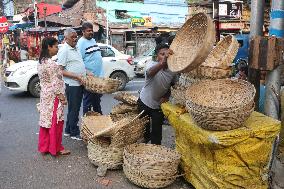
(141, 61)
(23, 76)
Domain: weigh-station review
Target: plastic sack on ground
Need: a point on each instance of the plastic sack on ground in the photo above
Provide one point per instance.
(224, 159)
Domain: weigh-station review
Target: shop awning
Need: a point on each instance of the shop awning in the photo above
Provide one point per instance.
(50, 9)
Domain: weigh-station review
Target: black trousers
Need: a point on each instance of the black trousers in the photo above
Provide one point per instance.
(92, 100)
(154, 127)
(74, 95)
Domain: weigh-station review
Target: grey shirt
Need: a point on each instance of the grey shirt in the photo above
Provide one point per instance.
(71, 59)
(156, 87)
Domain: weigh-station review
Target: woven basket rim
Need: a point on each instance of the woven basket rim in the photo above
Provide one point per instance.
(244, 83)
(210, 33)
(130, 148)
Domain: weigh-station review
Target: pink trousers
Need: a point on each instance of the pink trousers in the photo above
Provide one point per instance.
(50, 139)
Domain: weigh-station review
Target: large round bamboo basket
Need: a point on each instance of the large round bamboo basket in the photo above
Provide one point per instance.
(218, 63)
(100, 85)
(223, 54)
(223, 104)
(192, 43)
(105, 155)
(150, 166)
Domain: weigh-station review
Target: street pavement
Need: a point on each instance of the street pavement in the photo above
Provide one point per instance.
(22, 167)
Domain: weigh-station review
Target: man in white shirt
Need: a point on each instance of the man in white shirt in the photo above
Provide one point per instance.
(71, 62)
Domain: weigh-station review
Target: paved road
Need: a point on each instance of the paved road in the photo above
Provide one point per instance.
(21, 166)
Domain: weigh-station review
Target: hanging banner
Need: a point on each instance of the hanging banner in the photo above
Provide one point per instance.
(3, 24)
(145, 21)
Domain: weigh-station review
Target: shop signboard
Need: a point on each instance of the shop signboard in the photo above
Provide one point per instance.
(231, 25)
(227, 10)
(4, 26)
(141, 22)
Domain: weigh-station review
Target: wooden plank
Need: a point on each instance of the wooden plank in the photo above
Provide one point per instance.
(279, 51)
(271, 55)
(254, 52)
(263, 54)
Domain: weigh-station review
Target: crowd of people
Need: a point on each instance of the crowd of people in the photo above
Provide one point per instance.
(61, 84)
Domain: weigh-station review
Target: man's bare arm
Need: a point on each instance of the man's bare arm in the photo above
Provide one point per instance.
(70, 74)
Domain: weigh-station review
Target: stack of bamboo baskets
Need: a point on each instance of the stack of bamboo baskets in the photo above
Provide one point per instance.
(204, 75)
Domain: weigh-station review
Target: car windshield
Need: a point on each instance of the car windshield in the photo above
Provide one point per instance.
(149, 52)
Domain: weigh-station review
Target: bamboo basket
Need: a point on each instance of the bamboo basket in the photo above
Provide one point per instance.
(223, 54)
(103, 155)
(96, 125)
(150, 166)
(192, 44)
(123, 108)
(218, 63)
(125, 134)
(108, 152)
(100, 85)
(126, 98)
(223, 104)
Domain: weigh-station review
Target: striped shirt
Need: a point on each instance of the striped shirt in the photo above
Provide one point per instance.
(91, 55)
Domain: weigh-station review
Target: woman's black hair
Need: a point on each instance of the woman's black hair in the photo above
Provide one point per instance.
(161, 46)
(46, 42)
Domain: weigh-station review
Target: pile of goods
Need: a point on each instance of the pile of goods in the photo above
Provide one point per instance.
(100, 85)
(106, 150)
(126, 108)
(112, 141)
(214, 101)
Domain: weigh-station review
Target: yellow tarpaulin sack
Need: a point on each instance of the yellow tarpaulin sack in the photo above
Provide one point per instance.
(224, 159)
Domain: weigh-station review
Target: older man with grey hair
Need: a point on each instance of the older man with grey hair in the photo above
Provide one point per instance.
(71, 62)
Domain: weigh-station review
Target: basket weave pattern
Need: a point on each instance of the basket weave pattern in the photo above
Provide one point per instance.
(102, 154)
(96, 125)
(150, 166)
(222, 104)
(178, 95)
(223, 54)
(124, 108)
(100, 85)
(211, 73)
(192, 43)
(126, 98)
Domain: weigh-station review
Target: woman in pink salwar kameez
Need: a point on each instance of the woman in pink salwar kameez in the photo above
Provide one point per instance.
(52, 100)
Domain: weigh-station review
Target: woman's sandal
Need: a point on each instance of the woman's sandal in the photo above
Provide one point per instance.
(64, 152)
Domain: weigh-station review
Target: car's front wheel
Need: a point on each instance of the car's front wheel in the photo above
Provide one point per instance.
(122, 77)
(34, 87)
